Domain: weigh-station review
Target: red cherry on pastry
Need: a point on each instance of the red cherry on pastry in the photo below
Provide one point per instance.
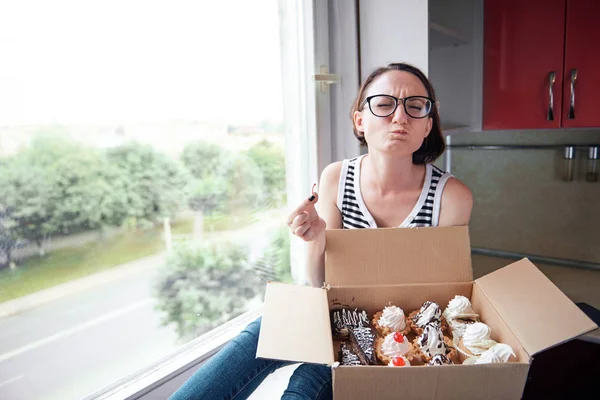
(398, 337)
(398, 362)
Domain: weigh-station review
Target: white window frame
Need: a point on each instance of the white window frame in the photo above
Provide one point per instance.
(300, 119)
(324, 128)
(308, 151)
(344, 59)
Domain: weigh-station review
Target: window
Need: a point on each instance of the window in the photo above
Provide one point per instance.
(142, 180)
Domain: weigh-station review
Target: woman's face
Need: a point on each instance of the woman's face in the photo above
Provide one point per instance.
(398, 133)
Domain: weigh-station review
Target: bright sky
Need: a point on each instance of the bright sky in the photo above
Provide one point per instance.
(77, 61)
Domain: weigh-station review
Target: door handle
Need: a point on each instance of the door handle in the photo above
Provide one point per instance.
(572, 101)
(551, 80)
(325, 79)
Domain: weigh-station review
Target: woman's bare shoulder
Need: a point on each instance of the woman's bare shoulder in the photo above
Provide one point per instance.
(457, 203)
(331, 174)
(456, 188)
(328, 193)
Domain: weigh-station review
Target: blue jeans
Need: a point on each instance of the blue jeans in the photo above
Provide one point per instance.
(235, 372)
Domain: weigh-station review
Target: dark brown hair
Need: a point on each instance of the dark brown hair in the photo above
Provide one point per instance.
(433, 146)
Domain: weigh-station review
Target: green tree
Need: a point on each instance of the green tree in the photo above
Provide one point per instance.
(208, 194)
(207, 163)
(56, 185)
(27, 202)
(8, 241)
(49, 145)
(245, 187)
(200, 288)
(275, 263)
(88, 191)
(223, 181)
(154, 184)
(270, 159)
(281, 249)
(204, 159)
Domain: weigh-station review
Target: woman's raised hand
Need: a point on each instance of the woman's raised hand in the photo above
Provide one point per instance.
(305, 222)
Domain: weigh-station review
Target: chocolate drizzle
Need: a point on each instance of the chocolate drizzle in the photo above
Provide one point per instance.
(347, 356)
(363, 340)
(440, 359)
(428, 337)
(437, 313)
(344, 319)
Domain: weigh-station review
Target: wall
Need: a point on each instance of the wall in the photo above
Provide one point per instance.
(456, 50)
(521, 202)
(393, 31)
(343, 61)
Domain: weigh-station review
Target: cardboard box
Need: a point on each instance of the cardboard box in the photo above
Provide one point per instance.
(367, 268)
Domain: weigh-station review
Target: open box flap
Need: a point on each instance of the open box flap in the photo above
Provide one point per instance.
(295, 325)
(388, 256)
(537, 312)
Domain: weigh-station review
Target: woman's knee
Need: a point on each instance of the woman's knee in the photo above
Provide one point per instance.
(254, 327)
(247, 340)
(321, 372)
(310, 381)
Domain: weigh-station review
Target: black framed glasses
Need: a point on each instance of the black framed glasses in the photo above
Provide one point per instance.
(383, 105)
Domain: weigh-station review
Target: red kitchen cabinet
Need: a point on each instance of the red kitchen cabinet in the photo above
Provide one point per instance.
(530, 50)
(523, 45)
(581, 89)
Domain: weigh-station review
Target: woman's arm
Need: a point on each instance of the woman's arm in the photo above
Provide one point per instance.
(457, 203)
(328, 211)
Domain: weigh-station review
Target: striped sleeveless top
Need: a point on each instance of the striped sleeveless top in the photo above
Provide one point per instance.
(356, 215)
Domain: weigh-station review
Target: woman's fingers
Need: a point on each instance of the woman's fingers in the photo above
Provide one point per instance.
(298, 220)
(315, 228)
(309, 234)
(307, 205)
(301, 230)
(304, 221)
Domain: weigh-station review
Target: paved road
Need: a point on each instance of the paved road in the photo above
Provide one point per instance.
(74, 346)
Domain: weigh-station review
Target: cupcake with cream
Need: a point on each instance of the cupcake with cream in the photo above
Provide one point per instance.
(439, 359)
(391, 319)
(429, 312)
(433, 342)
(475, 340)
(394, 345)
(498, 353)
(399, 361)
(459, 314)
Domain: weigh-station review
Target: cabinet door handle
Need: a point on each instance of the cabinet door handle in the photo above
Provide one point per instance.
(551, 80)
(572, 102)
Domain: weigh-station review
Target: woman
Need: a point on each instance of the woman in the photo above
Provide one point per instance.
(394, 185)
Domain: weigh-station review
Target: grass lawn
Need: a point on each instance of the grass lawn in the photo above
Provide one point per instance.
(218, 222)
(63, 265)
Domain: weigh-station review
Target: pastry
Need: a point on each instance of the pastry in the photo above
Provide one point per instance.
(460, 307)
(459, 314)
(429, 312)
(399, 361)
(475, 340)
(433, 342)
(363, 340)
(394, 345)
(498, 353)
(342, 320)
(391, 319)
(440, 359)
(347, 356)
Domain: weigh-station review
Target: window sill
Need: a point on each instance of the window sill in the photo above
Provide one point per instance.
(186, 357)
